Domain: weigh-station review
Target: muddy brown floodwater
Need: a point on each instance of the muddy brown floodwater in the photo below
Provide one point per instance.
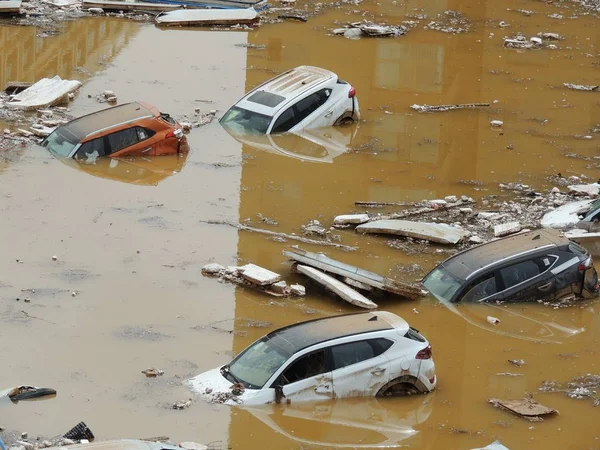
(130, 242)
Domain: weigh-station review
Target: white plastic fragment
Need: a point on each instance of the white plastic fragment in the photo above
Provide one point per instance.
(496, 123)
(493, 320)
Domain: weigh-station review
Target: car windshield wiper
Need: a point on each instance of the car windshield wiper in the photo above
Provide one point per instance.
(225, 371)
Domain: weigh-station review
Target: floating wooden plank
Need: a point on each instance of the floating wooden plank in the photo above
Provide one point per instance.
(258, 275)
(112, 5)
(44, 93)
(434, 232)
(527, 408)
(207, 17)
(337, 287)
(372, 279)
(10, 6)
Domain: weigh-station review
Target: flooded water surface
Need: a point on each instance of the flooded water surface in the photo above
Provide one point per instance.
(125, 292)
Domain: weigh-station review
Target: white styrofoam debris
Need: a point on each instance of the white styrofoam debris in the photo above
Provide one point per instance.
(504, 229)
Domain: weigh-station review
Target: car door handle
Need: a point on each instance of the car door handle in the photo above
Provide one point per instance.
(329, 114)
(545, 287)
(378, 371)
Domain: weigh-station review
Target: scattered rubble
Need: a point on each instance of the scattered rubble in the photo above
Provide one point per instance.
(517, 362)
(253, 276)
(441, 108)
(357, 30)
(581, 87)
(153, 373)
(579, 387)
(185, 404)
(450, 22)
(526, 408)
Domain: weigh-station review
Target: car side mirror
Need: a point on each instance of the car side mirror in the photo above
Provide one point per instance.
(279, 395)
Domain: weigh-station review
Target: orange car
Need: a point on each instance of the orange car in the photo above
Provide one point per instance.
(132, 129)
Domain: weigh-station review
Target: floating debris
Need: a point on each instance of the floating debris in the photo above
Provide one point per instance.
(441, 108)
(526, 408)
(581, 87)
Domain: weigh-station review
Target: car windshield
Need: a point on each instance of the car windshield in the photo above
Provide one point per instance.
(60, 142)
(243, 120)
(441, 284)
(258, 363)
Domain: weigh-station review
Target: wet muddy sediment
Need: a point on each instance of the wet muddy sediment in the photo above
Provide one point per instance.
(131, 236)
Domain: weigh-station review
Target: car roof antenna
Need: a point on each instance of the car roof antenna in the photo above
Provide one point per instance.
(373, 319)
(537, 236)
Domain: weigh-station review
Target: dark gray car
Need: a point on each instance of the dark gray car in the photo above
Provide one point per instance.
(539, 264)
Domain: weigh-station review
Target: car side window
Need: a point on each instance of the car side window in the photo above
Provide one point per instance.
(91, 150)
(304, 367)
(144, 133)
(523, 271)
(354, 352)
(310, 104)
(123, 139)
(285, 121)
(481, 289)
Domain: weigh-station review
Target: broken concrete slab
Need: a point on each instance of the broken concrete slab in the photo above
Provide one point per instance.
(504, 229)
(208, 17)
(526, 407)
(337, 287)
(46, 92)
(357, 30)
(298, 290)
(434, 232)
(109, 5)
(351, 219)
(330, 265)
(590, 241)
(258, 275)
(357, 284)
(10, 6)
(496, 445)
(590, 190)
(566, 215)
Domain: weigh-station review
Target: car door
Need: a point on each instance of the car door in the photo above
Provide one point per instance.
(316, 110)
(307, 378)
(484, 288)
(133, 141)
(359, 368)
(529, 280)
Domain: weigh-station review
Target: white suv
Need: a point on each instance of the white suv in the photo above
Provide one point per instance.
(365, 354)
(301, 98)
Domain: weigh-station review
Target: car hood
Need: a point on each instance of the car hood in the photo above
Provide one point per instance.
(212, 387)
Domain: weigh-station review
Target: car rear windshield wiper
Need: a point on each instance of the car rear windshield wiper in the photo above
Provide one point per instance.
(225, 371)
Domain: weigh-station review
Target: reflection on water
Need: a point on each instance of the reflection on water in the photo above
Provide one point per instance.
(143, 171)
(315, 145)
(348, 423)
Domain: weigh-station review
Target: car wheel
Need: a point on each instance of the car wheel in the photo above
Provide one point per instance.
(398, 390)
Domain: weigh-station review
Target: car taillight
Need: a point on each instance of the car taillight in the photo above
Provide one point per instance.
(171, 134)
(425, 353)
(351, 92)
(586, 264)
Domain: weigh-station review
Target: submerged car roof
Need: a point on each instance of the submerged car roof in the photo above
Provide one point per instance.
(107, 118)
(305, 334)
(274, 93)
(464, 264)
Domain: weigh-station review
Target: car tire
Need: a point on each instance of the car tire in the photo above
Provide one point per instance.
(344, 119)
(402, 386)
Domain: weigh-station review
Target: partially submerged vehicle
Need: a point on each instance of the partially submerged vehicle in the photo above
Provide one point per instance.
(131, 129)
(537, 265)
(354, 355)
(22, 393)
(301, 98)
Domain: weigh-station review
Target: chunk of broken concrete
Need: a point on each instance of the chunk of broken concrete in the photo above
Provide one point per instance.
(504, 229)
(527, 408)
(153, 373)
(434, 232)
(298, 290)
(46, 92)
(496, 445)
(258, 275)
(566, 215)
(351, 219)
(496, 123)
(280, 287)
(337, 287)
(358, 284)
(212, 269)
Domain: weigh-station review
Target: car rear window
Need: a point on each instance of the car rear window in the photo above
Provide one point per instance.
(266, 99)
(441, 284)
(577, 249)
(242, 120)
(60, 142)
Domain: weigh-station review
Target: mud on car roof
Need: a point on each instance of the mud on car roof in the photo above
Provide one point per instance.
(297, 337)
(465, 263)
(107, 118)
